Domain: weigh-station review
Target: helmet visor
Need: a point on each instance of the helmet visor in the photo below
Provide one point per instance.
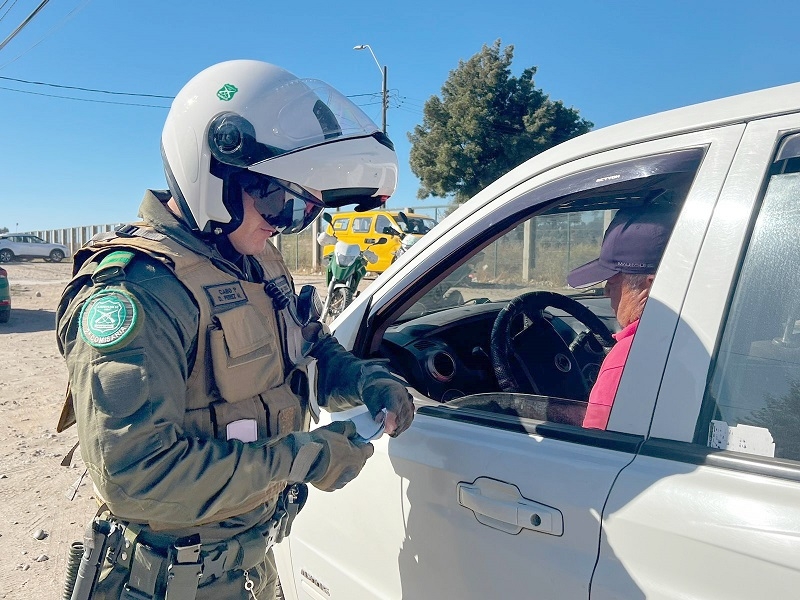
(286, 206)
(296, 115)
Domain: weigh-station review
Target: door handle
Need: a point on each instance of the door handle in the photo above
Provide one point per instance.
(370, 240)
(500, 505)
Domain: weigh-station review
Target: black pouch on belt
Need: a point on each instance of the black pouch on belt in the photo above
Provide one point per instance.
(291, 502)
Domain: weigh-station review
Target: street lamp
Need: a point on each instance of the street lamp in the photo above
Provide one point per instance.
(383, 71)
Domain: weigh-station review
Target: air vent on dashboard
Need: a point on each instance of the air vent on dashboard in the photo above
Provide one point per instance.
(424, 344)
(441, 366)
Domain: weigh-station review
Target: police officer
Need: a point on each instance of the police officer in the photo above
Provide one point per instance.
(194, 369)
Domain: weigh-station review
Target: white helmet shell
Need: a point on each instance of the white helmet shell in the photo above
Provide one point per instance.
(250, 115)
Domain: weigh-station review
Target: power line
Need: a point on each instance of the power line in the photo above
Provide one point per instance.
(378, 99)
(83, 89)
(3, 16)
(54, 28)
(22, 25)
(82, 99)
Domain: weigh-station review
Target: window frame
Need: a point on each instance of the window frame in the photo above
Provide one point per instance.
(531, 197)
(707, 304)
(788, 148)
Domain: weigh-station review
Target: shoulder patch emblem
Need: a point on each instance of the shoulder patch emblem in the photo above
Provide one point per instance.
(110, 319)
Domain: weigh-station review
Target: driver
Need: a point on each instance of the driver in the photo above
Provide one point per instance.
(632, 248)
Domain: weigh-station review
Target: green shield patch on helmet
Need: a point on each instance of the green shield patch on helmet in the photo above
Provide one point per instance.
(110, 319)
(226, 92)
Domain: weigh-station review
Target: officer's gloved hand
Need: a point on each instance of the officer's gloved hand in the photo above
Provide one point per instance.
(341, 458)
(379, 390)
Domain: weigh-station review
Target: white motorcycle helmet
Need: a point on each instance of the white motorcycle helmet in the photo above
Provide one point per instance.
(240, 119)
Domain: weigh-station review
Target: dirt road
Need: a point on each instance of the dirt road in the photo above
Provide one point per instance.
(33, 485)
(38, 522)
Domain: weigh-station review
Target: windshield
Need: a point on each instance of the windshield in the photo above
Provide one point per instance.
(416, 224)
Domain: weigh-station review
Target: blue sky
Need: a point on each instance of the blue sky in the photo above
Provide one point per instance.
(67, 163)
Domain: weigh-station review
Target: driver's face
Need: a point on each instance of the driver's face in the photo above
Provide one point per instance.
(627, 300)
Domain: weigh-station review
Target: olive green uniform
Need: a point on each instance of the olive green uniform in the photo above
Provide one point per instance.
(154, 399)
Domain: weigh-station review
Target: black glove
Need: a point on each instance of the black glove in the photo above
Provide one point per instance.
(380, 389)
(341, 458)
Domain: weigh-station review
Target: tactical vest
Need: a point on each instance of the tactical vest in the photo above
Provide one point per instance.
(239, 386)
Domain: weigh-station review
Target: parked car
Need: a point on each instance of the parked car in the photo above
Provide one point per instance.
(496, 490)
(5, 297)
(15, 246)
(367, 228)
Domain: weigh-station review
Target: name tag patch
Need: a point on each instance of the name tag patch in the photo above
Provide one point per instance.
(226, 294)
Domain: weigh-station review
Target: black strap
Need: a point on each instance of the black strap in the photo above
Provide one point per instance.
(185, 569)
(145, 569)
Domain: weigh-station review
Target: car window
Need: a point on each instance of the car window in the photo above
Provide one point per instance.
(752, 400)
(381, 223)
(362, 224)
(341, 224)
(446, 342)
(418, 225)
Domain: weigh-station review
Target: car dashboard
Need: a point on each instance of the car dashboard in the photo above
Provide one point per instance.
(446, 354)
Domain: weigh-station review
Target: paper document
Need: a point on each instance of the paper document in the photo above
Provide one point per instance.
(742, 438)
(367, 427)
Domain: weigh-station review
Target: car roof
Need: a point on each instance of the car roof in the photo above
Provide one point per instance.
(741, 108)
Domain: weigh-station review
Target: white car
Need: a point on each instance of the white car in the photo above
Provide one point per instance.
(496, 490)
(15, 246)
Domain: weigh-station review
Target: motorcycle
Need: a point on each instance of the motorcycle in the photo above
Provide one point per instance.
(347, 266)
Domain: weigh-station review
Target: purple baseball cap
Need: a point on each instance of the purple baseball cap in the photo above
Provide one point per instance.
(633, 243)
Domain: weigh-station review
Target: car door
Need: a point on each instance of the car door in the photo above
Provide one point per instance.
(474, 503)
(711, 506)
(36, 246)
(17, 245)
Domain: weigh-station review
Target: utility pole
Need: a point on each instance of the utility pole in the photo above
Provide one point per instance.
(384, 86)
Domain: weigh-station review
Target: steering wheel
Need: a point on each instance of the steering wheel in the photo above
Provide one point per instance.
(528, 354)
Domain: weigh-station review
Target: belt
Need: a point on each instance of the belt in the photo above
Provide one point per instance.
(179, 569)
(187, 563)
(241, 552)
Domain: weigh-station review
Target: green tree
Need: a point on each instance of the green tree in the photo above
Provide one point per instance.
(485, 123)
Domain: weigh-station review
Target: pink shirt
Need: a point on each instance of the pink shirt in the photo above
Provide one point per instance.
(601, 398)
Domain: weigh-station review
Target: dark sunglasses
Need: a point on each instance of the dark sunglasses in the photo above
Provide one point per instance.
(285, 205)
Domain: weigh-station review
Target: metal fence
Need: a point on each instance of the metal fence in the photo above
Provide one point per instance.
(301, 252)
(73, 237)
